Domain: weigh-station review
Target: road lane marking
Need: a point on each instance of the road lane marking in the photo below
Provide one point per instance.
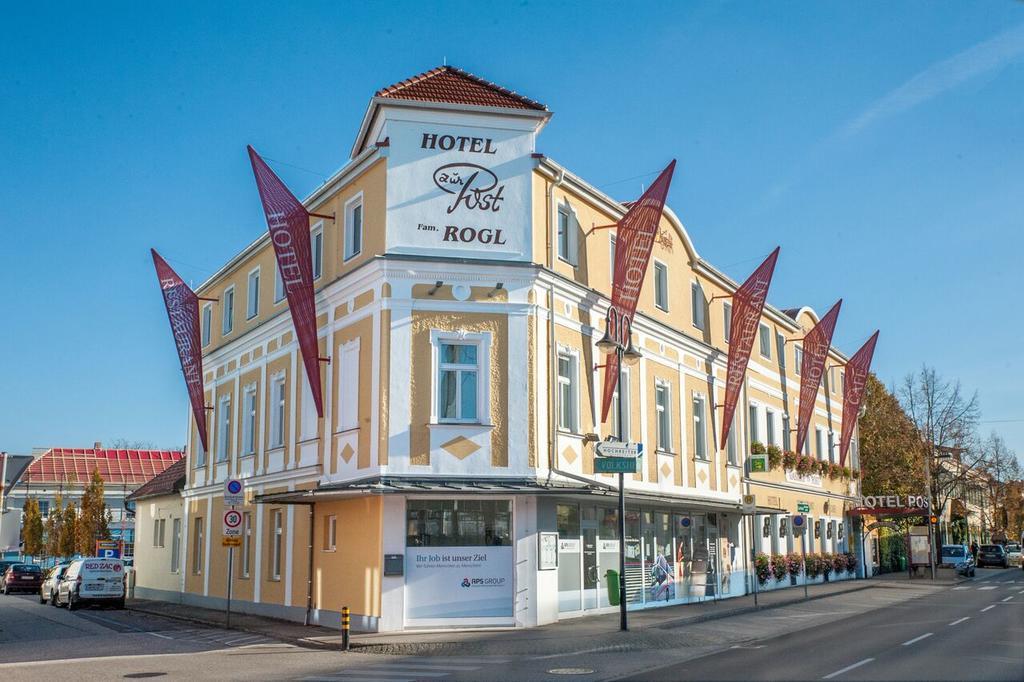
(918, 639)
(960, 620)
(987, 608)
(848, 668)
(1008, 598)
(388, 672)
(961, 588)
(990, 587)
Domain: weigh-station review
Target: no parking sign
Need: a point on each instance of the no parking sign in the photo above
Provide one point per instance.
(234, 492)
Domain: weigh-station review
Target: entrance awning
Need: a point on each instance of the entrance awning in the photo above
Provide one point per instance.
(497, 485)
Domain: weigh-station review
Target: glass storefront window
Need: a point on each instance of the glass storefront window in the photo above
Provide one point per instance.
(458, 523)
(568, 520)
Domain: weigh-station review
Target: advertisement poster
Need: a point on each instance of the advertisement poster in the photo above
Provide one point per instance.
(458, 582)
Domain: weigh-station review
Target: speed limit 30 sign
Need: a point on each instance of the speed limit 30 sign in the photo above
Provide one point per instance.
(232, 524)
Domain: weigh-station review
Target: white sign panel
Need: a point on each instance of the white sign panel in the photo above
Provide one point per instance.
(749, 504)
(459, 189)
(548, 554)
(232, 524)
(458, 582)
(609, 448)
(234, 492)
(807, 479)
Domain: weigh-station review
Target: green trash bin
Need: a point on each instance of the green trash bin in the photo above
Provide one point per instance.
(612, 578)
(903, 563)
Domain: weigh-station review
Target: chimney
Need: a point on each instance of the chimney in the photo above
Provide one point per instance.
(98, 445)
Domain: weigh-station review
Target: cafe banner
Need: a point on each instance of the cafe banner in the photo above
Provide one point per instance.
(853, 392)
(815, 346)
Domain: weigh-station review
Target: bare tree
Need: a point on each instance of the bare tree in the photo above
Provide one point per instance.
(1002, 468)
(125, 444)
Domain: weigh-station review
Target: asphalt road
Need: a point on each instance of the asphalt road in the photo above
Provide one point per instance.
(971, 632)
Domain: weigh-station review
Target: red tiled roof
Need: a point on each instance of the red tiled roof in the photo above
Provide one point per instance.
(168, 481)
(449, 85)
(75, 465)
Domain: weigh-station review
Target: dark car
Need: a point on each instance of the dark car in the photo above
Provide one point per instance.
(22, 578)
(993, 555)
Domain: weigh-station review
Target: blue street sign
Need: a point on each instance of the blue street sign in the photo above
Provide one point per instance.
(685, 522)
(110, 554)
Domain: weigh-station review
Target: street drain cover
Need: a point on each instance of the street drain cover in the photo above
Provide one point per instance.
(570, 671)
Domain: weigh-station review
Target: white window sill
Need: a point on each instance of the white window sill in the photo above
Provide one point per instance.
(330, 551)
(468, 425)
(275, 448)
(570, 434)
(351, 429)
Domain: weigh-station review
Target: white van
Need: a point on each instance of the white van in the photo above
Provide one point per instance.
(94, 580)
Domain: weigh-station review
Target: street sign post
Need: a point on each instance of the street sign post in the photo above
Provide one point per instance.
(231, 531)
(799, 528)
(615, 465)
(234, 492)
(749, 504)
(611, 448)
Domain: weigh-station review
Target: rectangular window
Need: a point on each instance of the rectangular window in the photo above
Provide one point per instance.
(224, 429)
(246, 543)
(663, 406)
(207, 323)
(354, 227)
(276, 543)
(458, 523)
(278, 285)
(661, 285)
(249, 421)
(316, 243)
(807, 444)
(277, 412)
(770, 427)
(786, 436)
(197, 546)
(730, 444)
(458, 369)
(765, 337)
(780, 348)
(727, 320)
(567, 392)
(348, 387)
(700, 438)
(798, 359)
(175, 545)
(819, 443)
(227, 320)
(697, 305)
(611, 257)
(564, 234)
(330, 533)
(752, 423)
(252, 300)
(613, 415)
(158, 532)
(831, 447)
(842, 383)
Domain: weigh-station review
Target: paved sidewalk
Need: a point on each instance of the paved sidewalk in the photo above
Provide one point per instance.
(655, 627)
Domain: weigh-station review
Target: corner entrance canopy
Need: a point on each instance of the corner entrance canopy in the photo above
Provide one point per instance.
(420, 485)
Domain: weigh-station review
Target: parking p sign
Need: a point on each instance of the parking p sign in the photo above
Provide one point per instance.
(232, 524)
(234, 492)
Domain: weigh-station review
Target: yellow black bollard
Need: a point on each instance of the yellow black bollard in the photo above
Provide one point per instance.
(345, 618)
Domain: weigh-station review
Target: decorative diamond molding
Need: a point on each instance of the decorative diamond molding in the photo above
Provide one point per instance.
(666, 470)
(569, 455)
(733, 481)
(460, 447)
(347, 452)
(702, 476)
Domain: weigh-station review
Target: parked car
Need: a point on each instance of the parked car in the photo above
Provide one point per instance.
(92, 581)
(958, 557)
(4, 565)
(1013, 554)
(993, 555)
(48, 590)
(21, 578)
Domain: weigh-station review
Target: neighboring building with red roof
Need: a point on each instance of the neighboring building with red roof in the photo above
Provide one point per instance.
(65, 473)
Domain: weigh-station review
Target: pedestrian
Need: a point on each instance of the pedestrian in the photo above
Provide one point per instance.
(974, 549)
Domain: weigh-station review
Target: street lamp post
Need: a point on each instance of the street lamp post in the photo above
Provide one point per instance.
(618, 339)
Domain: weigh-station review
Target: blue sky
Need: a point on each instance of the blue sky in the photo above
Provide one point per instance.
(880, 145)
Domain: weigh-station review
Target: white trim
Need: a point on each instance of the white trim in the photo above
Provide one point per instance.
(483, 389)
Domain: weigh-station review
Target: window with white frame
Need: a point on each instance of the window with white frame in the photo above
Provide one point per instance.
(252, 295)
(765, 338)
(663, 408)
(807, 444)
(198, 452)
(348, 386)
(276, 543)
(460, 373)
(780, 348)
(277, 411)
(227, 320)
(197, 545)
(175, 545)
(279, 292)
(786, 435)
(661, 285)
(246, 543)
(700, 436)
(207, 323)
(727, 320)
(731, 448)
(621, 388)
(223, 428)
(769, 423)
(316, 245)
(330, 533)
(819, 443)
(798, 359)
(752, 423)
(564, 238)
(831, 446)
(568, 392)
(354, 227)
(697, 304)
(158, 532)
(249, 420)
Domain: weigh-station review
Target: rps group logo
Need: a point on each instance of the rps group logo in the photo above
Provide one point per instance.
(483, 582)
(466, 582)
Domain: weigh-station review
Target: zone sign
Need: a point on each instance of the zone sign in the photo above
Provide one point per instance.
(232, 524)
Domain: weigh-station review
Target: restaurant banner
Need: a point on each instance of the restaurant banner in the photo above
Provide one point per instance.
(288, 222)
(815, 346)
(747, 305)
(183, 314)
(853, 392)
(634, 241)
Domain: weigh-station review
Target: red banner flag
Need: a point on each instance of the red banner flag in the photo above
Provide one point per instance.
(747, 305)
(853, 392)
(634, 241)
(288, 222)
(183, 314)
(816, 345)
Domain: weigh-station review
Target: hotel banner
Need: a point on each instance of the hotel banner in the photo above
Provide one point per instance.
(853, 392)
(634, 241)
(815, 345)
(288, 222)
(183, 314)
(747, 305)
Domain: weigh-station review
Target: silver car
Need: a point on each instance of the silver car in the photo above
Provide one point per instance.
(48, 590)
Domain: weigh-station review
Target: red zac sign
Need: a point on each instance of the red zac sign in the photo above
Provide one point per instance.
(853, 392)
(288, 222)
(747, 305)
(634, 241)
(183, 314)
(815, 345)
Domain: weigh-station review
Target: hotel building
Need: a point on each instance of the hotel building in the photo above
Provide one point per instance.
(460, 293)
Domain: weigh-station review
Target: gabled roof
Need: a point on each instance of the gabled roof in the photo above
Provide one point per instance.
(15, 467)
(72, 466)
(169, 481)
(450, 85)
